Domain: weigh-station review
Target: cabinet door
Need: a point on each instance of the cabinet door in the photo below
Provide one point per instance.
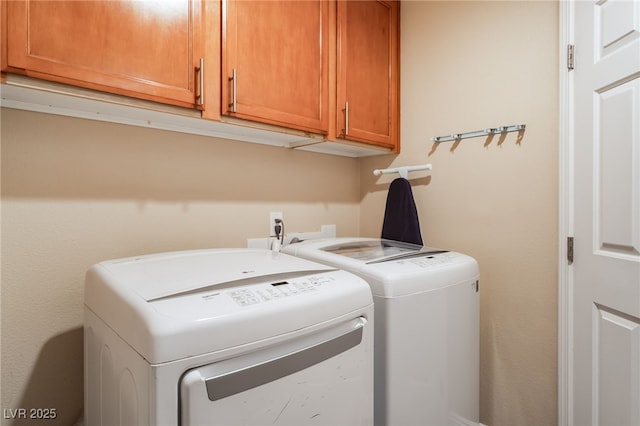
(275, 62)
(146, 49)
(368, 72)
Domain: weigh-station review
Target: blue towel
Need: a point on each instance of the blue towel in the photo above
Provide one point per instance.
(401, 216)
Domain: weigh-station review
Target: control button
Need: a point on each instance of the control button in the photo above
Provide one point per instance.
(264, 296)
(244, 297)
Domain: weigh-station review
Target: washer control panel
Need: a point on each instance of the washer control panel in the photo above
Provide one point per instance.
(277, 290)
(430, 260)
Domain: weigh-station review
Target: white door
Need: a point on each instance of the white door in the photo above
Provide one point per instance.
(606, 269)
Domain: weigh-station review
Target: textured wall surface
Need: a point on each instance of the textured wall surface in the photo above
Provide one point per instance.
(75, 192)
(468, 66)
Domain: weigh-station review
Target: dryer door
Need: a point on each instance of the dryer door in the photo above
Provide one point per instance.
(321, 378)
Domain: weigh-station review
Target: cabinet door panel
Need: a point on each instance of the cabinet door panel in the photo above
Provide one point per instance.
(147, 49)
(368, 72)
(279, 51)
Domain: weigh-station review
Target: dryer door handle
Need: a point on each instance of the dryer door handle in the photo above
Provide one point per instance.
(283, 364)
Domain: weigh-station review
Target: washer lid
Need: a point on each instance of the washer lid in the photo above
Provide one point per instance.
(379, 250)
(392, 268)
(174, 305)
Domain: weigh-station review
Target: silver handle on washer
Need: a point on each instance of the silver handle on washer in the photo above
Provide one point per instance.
(234, 382)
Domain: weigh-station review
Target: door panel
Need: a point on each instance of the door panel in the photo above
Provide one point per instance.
(324, 377)
(275, 62)
(147, 49)
(605, 347)
(368, 72)
(615, 26)
(616, 367)
(616, 170)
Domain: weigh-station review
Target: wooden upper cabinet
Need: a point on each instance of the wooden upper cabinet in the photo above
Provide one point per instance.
(275, 62)
(146, 49)
(368, 72)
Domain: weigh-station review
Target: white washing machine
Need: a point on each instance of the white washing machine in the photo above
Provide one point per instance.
(226, 337)
(426, 326)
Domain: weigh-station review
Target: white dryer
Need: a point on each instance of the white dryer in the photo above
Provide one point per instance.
(225, 337)
(426, 326)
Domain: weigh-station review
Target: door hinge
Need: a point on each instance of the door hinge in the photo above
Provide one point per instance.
(570, 57)
(570, 250)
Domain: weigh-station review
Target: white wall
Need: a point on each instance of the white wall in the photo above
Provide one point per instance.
(468, 66)
(75, 192)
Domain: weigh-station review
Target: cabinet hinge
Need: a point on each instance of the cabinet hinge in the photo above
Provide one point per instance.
(570, 57)
(570, 250)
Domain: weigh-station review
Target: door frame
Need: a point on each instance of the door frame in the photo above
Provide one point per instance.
(566, 37)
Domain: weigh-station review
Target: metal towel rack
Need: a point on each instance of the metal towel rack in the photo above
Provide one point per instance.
(475, 134)
(403, 171)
